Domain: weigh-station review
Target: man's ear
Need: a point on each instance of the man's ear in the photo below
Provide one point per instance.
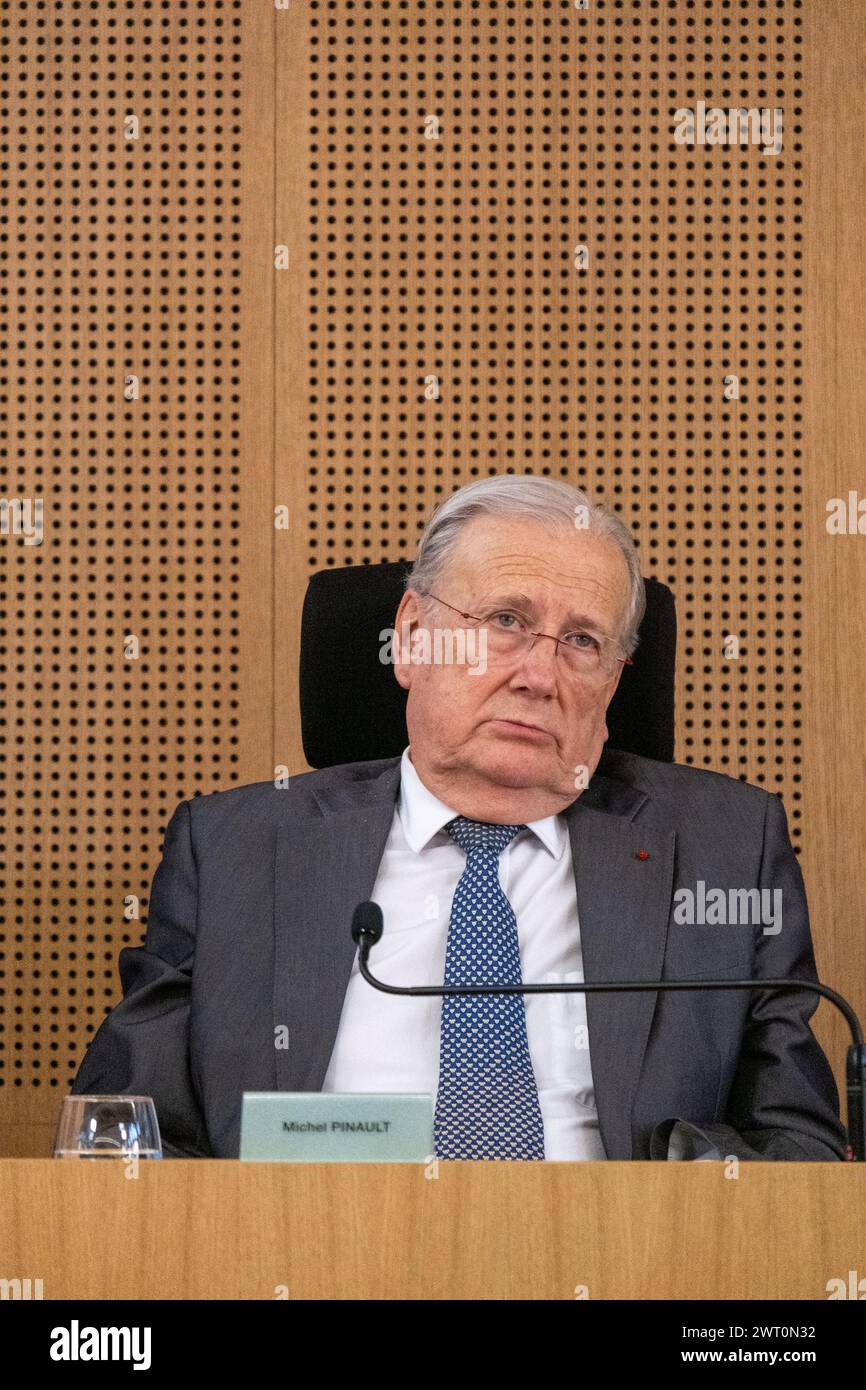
(408, 615)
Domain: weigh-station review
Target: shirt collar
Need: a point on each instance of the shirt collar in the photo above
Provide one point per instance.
(423, 815)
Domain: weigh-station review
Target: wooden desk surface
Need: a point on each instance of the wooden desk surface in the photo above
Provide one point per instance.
(216, 1229)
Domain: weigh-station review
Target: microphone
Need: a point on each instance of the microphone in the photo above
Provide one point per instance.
(368, 925)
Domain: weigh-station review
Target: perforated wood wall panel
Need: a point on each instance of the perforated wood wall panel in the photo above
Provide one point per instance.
(130, 677)
(283, 259)
(454, 257)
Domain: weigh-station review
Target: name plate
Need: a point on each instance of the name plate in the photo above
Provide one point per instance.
(335, 1127)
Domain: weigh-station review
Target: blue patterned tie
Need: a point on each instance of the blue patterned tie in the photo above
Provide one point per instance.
(487, 1105)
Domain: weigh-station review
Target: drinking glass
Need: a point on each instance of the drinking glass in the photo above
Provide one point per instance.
(108, 1127)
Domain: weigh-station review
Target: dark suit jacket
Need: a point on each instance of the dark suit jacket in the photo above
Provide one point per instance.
(249, 931)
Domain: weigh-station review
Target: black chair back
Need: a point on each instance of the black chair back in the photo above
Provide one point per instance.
(353, 710)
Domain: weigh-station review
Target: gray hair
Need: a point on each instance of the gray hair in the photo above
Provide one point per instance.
(548, 500)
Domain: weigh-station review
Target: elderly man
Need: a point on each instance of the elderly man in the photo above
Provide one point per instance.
(505, 845)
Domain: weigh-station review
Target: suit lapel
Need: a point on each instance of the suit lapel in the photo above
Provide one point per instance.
(327, 858)
(623, 904)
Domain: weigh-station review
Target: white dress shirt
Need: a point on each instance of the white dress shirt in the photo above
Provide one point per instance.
(388, 1043)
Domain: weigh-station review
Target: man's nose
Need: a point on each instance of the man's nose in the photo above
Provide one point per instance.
(539, 666)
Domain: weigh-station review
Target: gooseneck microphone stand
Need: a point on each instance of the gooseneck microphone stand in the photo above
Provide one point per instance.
(367, 928)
